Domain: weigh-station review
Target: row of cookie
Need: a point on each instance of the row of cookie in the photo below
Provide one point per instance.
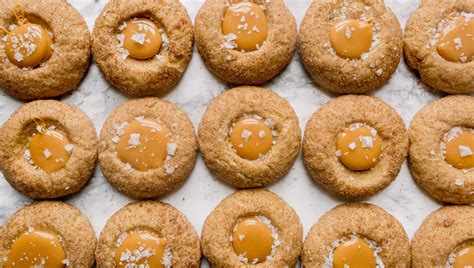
(249, 227)
(142, 50)
(249, 137)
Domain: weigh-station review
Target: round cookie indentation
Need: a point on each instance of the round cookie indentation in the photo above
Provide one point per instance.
(157, 221)
(37, 235)
(246, 24)
(142, 248)
(147, 147)
(350, 47)
(251, 137)
(277, 219)
(144, 144)
(456, 42)
(43, 153)
(46, 48)
(222, 47)
(351, 38)
(438, 44)
(358, 147)
(33, 246)
(255, 239)
(366, 224)
(249, 165)
(130, 62)
(141, 38)
(458, 144)
(355, 252)
(48, 149)
(379, 122)
(444, 237)
(28, 44)
(434, 133)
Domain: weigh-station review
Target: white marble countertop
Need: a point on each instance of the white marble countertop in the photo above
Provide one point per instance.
(202, 192)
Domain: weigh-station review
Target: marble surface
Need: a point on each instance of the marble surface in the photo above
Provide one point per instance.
(202, 192)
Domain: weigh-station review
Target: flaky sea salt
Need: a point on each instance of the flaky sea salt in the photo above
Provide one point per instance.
(68, 148)
(367, 141)
(171, 149)
(246, 134)
(47, 153)
(465, 151)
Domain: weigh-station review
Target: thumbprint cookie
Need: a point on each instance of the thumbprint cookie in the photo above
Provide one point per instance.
(441, 149)
(252, 228)
(249, 136)
(148, 234)
(445, 239)
(356, 235)
(147, 147)
(245, 42)
(350, 46)
(44, 48)
(143, 47)
(354, 146)
(48, 149)
(47, 234)
(439, 44)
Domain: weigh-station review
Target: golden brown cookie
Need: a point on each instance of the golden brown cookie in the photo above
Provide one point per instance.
(439, 44)
(48, 149)
(47, 234)
(148, 232)
(356, 235)
(249, 136)
(147, 147)
(44, 48)
(354, 146)
(252, 228)
(445, 239)
(350, 46)
(245, 42)
(441, 149)
(143, 47)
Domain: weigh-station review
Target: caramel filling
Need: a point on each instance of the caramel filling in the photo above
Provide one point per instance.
(459, 145)
(28, 45)
(351, 38)
(49, 149)
(142, 249)
(251, 138)
(358, 147)
(141, 38)
(37, 249)
(355, 254)
(456, 42)
(253, 240)
(245, 26)
(144, 144)
(464, 257)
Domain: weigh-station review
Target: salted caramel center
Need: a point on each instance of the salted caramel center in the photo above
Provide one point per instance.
(252, 239)
(251, 138)
(351, 38)
(144, 144)
(355, 253)
(37, 249)
(28, 45)
(464, 257)
(358, 147)
(245, 24)
(459, 143)
(141, 38)
(141, 249)
(456, 42)
(49, 149)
